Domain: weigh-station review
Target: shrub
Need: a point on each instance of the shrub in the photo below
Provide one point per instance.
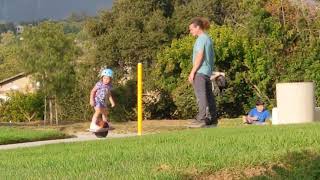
(125, 97)
(184, 99)
(22, 107)
(158, 105)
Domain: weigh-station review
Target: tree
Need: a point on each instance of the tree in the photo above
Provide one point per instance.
(256, 50)
(133, 31)
(49, 54)
(9, 65)
(7, 27)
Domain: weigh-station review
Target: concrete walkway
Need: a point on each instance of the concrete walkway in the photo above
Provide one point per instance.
(79, 138)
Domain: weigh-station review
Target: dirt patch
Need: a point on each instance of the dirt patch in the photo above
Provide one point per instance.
(149, 126)
(232, 174)
(163, 167)
(293, 165)
(240, 173)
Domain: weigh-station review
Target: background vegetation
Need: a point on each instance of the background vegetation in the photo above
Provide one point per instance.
(258, 43)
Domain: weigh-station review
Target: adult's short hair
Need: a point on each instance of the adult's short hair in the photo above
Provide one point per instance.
(259, 102)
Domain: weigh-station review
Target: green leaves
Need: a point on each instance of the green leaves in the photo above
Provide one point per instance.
(22, 107)
(257, 43)
(132, 32)
(49, 54)
(256, 52)
(9, 65)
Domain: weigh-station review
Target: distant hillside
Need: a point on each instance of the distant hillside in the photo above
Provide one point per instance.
(30, 10)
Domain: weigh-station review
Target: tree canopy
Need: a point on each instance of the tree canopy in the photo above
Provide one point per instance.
(258, 43)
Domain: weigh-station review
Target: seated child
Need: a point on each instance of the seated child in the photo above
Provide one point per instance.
(257, 115)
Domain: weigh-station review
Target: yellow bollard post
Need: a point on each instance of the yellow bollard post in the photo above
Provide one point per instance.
(139, 99)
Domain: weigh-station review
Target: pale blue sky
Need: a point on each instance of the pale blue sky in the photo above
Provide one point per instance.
(29, 10)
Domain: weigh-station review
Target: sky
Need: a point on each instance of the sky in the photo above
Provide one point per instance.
(32, 10)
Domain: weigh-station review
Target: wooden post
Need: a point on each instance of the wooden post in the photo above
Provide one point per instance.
(56, 110)
(50, 110)
(45, 111)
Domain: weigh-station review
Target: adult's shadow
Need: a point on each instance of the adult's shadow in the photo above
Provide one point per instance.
(295, 165)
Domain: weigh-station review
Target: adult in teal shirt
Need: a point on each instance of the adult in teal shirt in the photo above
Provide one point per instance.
(199, 77)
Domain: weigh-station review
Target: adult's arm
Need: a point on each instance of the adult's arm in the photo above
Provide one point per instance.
(196, 65)
(92, 94)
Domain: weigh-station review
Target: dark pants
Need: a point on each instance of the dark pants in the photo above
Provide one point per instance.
(205, 98)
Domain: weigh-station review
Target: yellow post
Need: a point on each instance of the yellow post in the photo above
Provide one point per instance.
(139, 99)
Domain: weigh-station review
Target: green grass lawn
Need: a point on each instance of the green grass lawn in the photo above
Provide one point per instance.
(10, 135)
(183, 154)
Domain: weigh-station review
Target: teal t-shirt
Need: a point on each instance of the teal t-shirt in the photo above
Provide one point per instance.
(205, 44)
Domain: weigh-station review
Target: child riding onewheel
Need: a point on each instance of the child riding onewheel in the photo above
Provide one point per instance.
(98, 96)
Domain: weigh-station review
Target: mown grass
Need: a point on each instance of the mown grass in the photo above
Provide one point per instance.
(10, 135)
(173, 155)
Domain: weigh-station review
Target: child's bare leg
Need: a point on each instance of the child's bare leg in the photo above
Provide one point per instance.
(105, 118)
(244, 119)
(96, 115)
(105, 115)
(248, 119)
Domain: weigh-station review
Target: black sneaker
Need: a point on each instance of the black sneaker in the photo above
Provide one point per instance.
(211, 126)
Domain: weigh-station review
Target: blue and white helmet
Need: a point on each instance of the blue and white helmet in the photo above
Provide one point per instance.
(107, 72)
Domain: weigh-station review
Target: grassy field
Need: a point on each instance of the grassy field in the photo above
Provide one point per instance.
(9, 135)
(257, 152)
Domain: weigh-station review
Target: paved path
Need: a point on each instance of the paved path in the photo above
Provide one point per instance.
(79, 138)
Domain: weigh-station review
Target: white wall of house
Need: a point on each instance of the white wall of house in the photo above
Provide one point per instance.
(23, 84)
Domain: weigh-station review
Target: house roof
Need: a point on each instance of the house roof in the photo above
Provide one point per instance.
(10, 79)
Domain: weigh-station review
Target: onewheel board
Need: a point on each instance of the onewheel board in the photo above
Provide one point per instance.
(101, 132)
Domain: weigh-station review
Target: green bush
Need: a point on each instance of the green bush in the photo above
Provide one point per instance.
(184, 99)
(22, 107)
(170, 75)
(158, 105)
(75, 106)
(125, 97)
(247, 64)
(255, 57)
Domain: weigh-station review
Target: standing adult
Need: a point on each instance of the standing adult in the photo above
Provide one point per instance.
(199, 77)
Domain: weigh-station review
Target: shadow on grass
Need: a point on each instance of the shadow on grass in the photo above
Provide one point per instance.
(295, 165)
